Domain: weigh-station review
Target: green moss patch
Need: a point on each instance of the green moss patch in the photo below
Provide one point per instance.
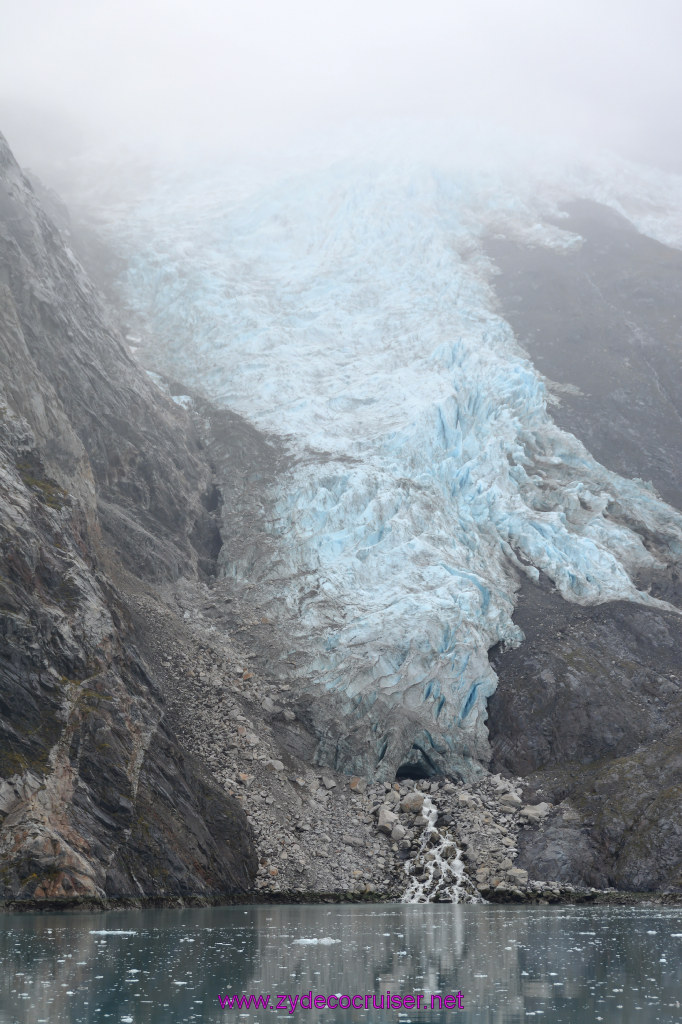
(33, 476)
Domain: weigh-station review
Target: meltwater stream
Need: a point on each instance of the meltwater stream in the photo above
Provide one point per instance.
(436, 873)
(567, 965)
(350, 311)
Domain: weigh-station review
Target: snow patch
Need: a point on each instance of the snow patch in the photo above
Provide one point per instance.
(184, 400)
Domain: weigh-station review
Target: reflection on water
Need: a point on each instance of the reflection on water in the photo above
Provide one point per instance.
(572, 964)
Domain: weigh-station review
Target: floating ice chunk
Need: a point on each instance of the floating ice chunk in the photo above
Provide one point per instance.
(326, 941)
(113, 931)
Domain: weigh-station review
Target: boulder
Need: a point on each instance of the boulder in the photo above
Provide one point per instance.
(412, 803)
(387, 820)
(349, 840)
(535, 812)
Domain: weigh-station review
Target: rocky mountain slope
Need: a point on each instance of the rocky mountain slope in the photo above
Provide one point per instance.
(102, 487)
(165, 731)
(589, 708)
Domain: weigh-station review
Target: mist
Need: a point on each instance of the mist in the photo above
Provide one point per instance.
(179, 78)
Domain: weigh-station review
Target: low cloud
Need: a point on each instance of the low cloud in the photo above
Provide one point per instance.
(247, 76)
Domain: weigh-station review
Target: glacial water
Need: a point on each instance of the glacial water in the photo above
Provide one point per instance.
(508, 964)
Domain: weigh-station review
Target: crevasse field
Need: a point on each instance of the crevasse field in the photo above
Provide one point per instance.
(350, 310)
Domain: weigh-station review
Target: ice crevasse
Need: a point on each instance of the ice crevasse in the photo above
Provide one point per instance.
(351, 311)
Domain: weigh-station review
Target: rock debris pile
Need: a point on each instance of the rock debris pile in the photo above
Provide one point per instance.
(316, 830)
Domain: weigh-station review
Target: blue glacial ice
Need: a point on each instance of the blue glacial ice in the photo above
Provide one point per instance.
(350, 311)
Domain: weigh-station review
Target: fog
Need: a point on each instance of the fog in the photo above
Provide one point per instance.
(180, 76)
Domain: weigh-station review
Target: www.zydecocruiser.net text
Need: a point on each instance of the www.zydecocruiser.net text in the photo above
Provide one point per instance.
(341, 1001)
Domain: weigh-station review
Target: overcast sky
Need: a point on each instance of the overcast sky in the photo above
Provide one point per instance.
(250, 74)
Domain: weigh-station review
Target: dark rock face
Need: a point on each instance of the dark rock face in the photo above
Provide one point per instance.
(101, 478)
(606, 682)
(589, 709)
(606, 319)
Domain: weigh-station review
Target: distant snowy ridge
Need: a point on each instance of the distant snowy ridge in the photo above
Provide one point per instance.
(350, 311)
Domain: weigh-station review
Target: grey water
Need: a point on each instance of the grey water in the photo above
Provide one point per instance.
(509, 964)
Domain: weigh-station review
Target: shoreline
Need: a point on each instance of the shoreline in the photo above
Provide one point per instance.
(577, 897)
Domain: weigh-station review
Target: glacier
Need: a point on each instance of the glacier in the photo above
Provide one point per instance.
(349, 309)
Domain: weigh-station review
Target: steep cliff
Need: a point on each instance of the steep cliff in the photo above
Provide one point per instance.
(589, 708)
(101, 480)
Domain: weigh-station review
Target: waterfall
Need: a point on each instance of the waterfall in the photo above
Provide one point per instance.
(436, 872)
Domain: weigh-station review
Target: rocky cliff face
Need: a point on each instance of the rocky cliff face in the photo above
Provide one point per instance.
(589, 708)
(103, 490)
